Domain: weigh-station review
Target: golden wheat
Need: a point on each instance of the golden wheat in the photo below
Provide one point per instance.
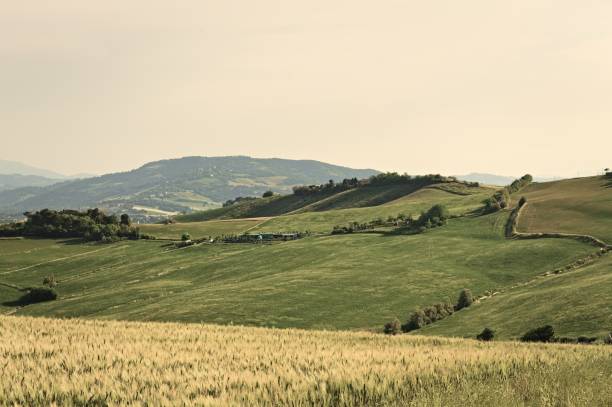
(82, 362)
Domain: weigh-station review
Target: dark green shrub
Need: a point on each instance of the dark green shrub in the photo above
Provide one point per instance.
(465, 299)
(392, 327)
(607, 339)
(268, 194)
(486, 335)
(522, 201)
(586, 340)
(38, 294)
(185, 237)
(542, 334)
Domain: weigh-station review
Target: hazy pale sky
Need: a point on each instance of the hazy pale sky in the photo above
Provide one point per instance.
(419, 86)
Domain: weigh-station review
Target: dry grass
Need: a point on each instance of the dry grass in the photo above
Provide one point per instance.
(77, 362)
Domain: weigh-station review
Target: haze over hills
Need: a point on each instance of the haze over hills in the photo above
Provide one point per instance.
(178, 185)
(13, 181)
(493, 179)
(14, 167)
(14, 174)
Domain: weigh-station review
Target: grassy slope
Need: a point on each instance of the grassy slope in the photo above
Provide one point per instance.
(414, 204)
(575, 303)
(289, 204)
(580, 205)
(201, 229)
(355, 281)
(75, 362)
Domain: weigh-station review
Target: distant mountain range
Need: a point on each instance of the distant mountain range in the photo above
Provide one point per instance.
(14, 175)
(177, 185)
(492, 179)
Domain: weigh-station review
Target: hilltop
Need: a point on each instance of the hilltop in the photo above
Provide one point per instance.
(177, 185)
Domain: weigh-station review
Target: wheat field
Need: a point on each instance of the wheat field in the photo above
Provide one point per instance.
(87, 362)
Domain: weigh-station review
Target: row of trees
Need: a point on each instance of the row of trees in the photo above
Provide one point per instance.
(430, 314)
(501, 198)
(388, 178)
(93, 225)
(435, 216)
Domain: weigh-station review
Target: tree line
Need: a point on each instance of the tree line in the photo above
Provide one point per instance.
(388, 178)
(91, 225)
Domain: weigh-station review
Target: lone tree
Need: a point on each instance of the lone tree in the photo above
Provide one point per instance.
(185, 237)
(465, 299)
(486, 335)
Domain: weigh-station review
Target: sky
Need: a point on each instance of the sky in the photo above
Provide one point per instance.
(449, 87)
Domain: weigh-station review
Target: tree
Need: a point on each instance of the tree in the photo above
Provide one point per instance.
(392, 327)
(268, 194)
(465, 299)
(486, 335)
(542, 334)
(185, 237)
(125, 219)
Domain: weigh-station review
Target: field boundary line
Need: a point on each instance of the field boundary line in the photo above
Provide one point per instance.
(59, 259)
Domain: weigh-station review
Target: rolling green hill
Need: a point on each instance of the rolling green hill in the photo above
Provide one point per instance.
(579, 205)
(355, 281)
(372, 197)
(575, 303)
(410, 204)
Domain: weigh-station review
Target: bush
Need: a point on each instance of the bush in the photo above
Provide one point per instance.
(465, 299)
(542, 334)
(38, 294)
(607, 339)
(486, 335)
(392, 327)
(185, 237)
(268, 194)
(586, 340)
(522, 201)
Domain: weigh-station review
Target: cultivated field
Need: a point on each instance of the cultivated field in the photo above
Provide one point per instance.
(335, 282)
(579, 205)
(75, 362)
